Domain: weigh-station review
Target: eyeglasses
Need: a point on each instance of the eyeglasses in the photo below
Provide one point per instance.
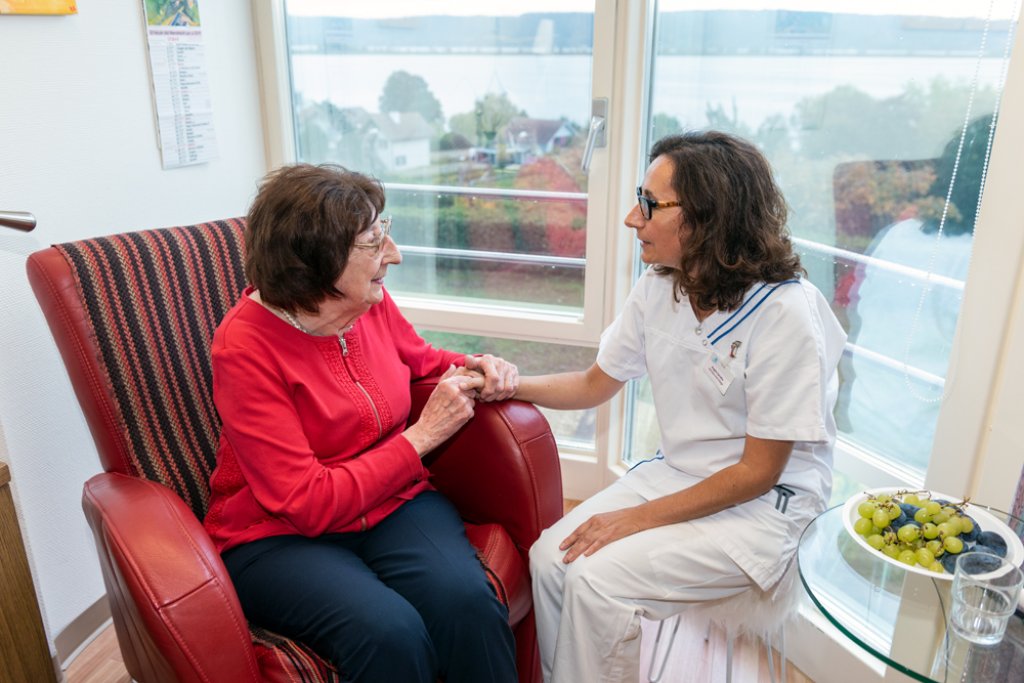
(377, 245)
(648, 205)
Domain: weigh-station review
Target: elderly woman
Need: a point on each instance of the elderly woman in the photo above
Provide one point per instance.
(741, 352)
(321, 507)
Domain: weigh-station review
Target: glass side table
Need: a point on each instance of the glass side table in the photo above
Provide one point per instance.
(899, 616)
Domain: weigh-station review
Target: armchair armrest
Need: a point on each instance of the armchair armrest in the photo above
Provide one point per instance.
(174, 606)
(501, 467)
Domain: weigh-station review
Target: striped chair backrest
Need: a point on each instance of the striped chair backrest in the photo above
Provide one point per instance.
(154, 299)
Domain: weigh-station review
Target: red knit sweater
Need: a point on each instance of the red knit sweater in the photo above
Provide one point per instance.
(311, 439)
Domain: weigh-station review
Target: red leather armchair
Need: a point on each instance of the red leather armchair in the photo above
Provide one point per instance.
(133, 316)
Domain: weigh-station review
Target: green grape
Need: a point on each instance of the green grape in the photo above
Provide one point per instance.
(949, 510)
(929, 531)
(937, 567)
(863, 526)
(876, 541)
(924, 557)
(966, 524)
(883, 497)
(893, 510)
(908, 533)
(945, 530)
(955, 525)
(891, 550)
(867, 509)
(935, 546)
(922, 516)
(908, 557)
(953, 544)
(912, 499)
(932, 507)
(881, 518)
(940, 517)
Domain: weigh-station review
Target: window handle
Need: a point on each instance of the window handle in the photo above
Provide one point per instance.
(596, 136)
(19, 220)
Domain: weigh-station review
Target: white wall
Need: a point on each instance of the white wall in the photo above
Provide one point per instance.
(78, 149)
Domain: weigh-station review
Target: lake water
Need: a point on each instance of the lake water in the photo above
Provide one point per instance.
(553, 86)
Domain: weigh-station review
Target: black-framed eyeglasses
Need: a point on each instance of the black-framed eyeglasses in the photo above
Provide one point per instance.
(648, 205)
(377, 245)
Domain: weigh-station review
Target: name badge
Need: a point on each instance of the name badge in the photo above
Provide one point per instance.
(717, 370)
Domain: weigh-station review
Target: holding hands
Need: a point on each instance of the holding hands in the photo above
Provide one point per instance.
(449, 407)
(500, 378)
(484, 378)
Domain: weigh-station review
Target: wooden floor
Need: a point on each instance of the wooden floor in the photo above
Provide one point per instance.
(692, 660)
(99, 662)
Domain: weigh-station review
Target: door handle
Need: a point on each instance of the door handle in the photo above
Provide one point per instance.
(596, 135)
(19, 220)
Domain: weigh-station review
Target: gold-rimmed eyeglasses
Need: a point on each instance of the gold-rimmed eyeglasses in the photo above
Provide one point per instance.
(377, 245)
(648, 205)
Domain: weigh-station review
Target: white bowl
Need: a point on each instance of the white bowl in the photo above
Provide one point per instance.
(1014, 547)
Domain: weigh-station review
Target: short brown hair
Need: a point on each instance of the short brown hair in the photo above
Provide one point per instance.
(300, 230)
(737, 215)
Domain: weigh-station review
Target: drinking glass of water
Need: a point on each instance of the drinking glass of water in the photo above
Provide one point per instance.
(985, 592)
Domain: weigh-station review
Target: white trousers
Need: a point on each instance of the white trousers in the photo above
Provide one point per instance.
(588, 612)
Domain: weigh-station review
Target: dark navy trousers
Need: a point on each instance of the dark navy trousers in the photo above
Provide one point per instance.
(404, 602)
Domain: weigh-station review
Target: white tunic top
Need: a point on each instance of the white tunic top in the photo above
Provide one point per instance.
(781, 349)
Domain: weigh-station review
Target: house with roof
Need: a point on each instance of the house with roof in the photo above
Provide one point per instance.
(527, 138)
(401, 139)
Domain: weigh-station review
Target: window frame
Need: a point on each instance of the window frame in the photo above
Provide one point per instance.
(613, 170)
(441, 314)
(623, 63)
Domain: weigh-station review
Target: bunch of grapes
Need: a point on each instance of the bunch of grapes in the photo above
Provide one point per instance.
(911, 527)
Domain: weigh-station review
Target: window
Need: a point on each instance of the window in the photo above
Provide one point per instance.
(475, 116)
(878, 120)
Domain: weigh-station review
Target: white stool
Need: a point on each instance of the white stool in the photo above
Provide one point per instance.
(753, 612)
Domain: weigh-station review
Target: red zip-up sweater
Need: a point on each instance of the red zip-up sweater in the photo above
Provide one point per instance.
(311, 439)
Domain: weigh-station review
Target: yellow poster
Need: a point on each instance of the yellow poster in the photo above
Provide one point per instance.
(38, 7)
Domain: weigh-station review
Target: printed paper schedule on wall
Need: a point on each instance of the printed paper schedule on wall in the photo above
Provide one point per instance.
(181, 90)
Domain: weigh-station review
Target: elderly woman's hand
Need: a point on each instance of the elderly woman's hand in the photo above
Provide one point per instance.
(449, 407)
(501, 378)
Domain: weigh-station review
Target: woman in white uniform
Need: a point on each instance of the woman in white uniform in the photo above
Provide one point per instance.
(741, 352)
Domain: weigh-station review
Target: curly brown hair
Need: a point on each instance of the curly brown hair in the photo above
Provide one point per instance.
(737, 215)
(301, 228)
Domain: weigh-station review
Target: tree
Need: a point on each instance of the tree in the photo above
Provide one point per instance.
(663, 124)
(847, 122)
(489, 117)
(404, 91)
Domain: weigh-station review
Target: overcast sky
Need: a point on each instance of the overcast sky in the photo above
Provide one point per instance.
(410, 8)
